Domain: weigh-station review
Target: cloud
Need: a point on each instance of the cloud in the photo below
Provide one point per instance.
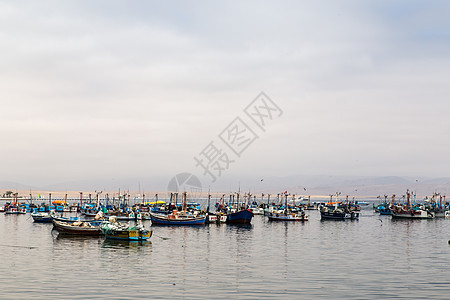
(89, 88)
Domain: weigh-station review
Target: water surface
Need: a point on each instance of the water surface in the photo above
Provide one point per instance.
(372, 258)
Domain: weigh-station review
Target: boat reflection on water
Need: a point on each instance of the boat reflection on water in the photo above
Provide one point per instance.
(239, 227)
(78, 242)
(125, 244)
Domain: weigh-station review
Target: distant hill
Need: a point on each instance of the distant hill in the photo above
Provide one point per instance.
(354, 186)
(7, 185)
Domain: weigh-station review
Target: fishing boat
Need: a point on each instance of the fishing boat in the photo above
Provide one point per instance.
(178, 217)
(41, 217)
(337, 214)
(15, 210)
(236, 214)
(287, 216)
(447, 214)
(240, 217)
(384, 210)
(407, 211)
(337, 211)
(77, 228)
(404, 212)
(438, 208)
(116, 231)
(216, 218)
(256, 210)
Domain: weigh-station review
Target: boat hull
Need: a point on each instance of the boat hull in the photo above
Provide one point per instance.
(240, 217)
(15, 211)
(415, 214)
(338, 216)
(287, 217)
(42, 218)
(166, 220)
(384, 211)
(67, 228)
(128, 235)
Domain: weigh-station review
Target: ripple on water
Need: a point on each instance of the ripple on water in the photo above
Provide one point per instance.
(372, 258)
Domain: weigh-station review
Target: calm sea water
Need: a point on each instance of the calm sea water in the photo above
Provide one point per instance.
(372, 258)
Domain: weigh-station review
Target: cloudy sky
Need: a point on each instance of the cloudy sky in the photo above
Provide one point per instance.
(113, 90)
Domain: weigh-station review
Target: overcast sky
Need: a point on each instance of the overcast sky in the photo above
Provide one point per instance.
(110, 90)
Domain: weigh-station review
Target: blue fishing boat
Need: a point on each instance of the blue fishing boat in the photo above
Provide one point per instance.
(240, 217)
(384, 210)
(41, 217)
(176, 218)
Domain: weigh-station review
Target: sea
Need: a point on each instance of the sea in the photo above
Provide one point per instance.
(372, 258)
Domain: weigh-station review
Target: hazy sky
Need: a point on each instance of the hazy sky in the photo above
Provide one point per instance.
(112, 90)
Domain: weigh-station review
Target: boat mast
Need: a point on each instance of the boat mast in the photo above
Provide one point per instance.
(285, 203)
(408, 202)
(184, 201)
(209, 200)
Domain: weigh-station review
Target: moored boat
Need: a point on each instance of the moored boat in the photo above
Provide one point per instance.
(408, 211)
(41, 217)
(405, 212)
(276, 216)
(15, 210)
(116, 231)
(77, 228)
(288, 213)
(338, 214)
(176, 218)
(179, 217)
(337, 211)
(240, 217)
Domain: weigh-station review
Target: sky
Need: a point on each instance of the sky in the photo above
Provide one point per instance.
(115, 91)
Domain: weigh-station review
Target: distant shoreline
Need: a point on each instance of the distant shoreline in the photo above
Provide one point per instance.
(135, 196)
